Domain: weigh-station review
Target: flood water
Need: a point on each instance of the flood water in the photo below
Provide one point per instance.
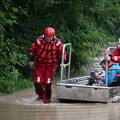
(24, 106)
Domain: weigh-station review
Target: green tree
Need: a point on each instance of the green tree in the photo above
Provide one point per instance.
(87, 24)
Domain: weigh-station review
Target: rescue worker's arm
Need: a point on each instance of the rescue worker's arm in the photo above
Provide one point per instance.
(32, 54)
(115, 52)
(111, 77)
(116, 55)
(116, 59)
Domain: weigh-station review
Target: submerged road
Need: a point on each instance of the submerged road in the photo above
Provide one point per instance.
(23, 105)
(59, 112)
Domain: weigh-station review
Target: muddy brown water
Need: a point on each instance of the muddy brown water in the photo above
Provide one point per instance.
(23, 105)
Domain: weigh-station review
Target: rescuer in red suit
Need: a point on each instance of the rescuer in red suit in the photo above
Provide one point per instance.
(45, 53)
(116, 54)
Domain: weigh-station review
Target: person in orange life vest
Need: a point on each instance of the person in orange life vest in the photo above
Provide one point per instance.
(46, 50)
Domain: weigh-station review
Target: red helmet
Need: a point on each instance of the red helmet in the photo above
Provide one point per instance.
(49, 32)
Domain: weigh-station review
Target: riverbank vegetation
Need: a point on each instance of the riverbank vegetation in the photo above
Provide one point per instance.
(87, 24)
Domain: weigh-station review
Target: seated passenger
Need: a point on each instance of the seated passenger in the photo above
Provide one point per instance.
(115, 56)
(113, 71)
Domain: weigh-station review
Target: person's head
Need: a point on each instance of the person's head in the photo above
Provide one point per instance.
(49, 33)
(103, 63)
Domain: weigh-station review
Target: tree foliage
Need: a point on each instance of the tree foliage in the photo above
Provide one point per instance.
(87, 24)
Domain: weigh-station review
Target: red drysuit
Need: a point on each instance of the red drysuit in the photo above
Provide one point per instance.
(116, 55)
(46, 55)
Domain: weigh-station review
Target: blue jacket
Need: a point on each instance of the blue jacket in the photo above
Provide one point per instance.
(112, 73)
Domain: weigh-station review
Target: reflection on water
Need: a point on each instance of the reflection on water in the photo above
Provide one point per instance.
(22, 112)
(59, 111)
(24, 106)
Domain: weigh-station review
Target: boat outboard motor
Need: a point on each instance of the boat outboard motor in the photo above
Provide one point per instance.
(92, 78)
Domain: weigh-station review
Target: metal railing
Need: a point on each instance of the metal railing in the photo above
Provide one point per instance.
(63, 64)
(109, 49)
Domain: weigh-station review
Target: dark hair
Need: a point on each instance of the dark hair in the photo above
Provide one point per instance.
(103, 62)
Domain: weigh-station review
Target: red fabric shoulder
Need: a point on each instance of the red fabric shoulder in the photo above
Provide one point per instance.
(58, 41)
(116, 52)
